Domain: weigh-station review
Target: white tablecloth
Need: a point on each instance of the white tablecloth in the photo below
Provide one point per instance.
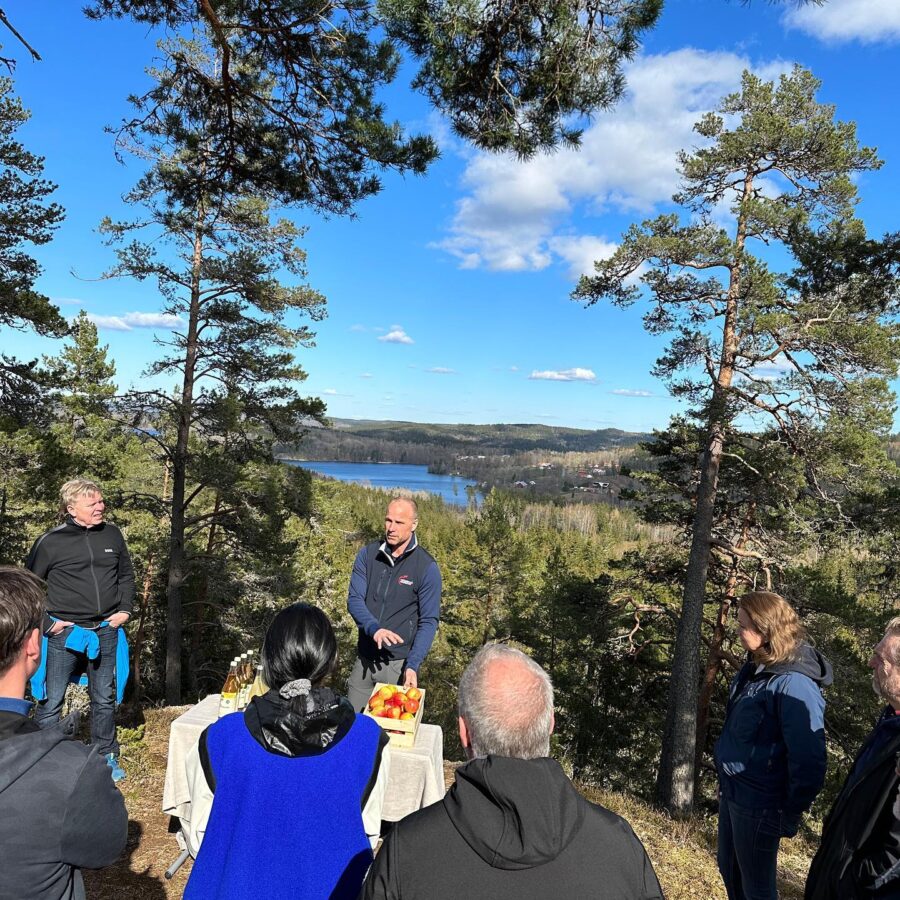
(416, 775)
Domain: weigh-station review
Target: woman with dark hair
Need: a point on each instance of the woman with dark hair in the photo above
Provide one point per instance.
(770, 758)
(286, 798)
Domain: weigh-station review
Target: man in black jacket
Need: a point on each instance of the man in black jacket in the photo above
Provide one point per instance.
(59, 809)
(513, 825)
(90, 588)
(859, 855)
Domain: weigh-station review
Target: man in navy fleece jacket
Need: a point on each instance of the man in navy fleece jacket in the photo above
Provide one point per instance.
(395, 600)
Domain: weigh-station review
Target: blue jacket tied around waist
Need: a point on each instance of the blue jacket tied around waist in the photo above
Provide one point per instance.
(771, 754)
(84, 640)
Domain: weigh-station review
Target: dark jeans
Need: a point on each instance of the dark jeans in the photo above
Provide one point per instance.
(748, 850)
(101, 672)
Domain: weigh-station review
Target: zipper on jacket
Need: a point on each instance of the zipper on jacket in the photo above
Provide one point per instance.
(93, 573)
(386, 576)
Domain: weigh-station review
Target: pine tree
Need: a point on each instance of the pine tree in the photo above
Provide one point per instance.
(25, 218)
(217, 258)
(509, 76)
(85, 423)
(779, 365)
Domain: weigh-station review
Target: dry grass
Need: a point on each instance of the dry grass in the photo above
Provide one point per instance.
(683, 853)
(138, 875)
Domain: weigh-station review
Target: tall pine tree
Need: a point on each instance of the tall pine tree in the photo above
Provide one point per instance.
(799, 360)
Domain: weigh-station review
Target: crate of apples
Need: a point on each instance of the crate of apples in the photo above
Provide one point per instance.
(398, 710)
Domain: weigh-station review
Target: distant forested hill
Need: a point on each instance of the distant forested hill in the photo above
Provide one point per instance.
(357, 440)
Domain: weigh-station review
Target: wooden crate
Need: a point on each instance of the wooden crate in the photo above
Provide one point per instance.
(401, 732)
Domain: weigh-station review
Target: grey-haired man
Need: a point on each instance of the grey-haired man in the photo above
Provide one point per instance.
(512, 827)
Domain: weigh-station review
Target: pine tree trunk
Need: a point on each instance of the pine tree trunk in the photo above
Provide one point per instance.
(675, 780)
(177, 573)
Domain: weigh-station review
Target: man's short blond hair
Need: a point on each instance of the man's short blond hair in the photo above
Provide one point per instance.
(72, 490)
(892, 629)
(410, 500)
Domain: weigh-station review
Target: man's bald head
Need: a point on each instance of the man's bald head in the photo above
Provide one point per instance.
(506, 702)
(400, 522)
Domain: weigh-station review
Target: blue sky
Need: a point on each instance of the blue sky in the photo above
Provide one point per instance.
(448, 294)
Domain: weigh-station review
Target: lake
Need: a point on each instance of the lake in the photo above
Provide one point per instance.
(451, 488)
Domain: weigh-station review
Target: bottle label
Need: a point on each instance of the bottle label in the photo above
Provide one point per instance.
(227, 704)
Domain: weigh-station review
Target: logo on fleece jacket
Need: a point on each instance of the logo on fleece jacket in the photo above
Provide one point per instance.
(405, 580)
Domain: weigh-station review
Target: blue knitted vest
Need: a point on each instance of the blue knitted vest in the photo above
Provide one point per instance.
(284, 827)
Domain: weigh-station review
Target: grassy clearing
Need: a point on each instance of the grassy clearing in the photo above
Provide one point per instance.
(684, 852)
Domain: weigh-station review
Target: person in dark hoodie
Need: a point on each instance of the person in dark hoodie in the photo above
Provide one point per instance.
(59, 809)
(859, 855)
(770, 757)
(286, 797)
(512, 825)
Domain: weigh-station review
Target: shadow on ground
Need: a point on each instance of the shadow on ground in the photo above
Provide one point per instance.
(124, 879)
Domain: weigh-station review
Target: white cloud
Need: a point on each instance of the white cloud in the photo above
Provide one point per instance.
(132, 320)
(331, 392)
(513, 368)
(628, 392)
(441, 370)
(509, 218)
(396, 336)
(581, 251)
(365, 375)
(576, 374)
(867, 21)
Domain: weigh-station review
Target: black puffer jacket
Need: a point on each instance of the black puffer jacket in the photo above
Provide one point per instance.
(512, 828)
(305, 726)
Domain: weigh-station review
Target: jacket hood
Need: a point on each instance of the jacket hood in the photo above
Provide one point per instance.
(808, 661)
(23, 745)
(515, 813)
(304, 726)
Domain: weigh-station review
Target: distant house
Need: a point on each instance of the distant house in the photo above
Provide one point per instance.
(520, 484)
(600, 484)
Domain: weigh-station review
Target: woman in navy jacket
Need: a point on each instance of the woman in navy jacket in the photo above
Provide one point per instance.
(770, 758)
